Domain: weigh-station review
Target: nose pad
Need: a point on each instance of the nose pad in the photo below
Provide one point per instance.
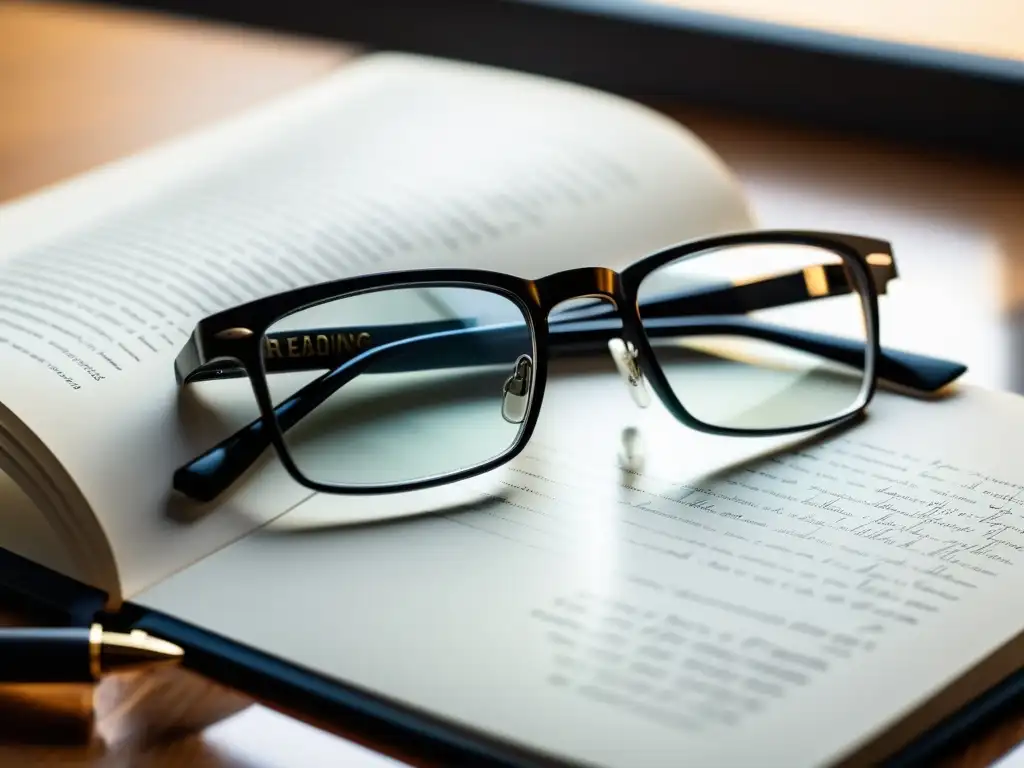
(625, 356)
(516, 392)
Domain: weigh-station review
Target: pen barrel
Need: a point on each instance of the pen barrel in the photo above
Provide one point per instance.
(58, 655)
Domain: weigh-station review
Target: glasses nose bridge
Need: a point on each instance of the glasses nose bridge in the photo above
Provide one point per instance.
(580, 283)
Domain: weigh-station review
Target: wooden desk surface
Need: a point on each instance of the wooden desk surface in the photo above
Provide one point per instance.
(81, 87)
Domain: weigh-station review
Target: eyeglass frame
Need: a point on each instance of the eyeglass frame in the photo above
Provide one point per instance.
(230, 343)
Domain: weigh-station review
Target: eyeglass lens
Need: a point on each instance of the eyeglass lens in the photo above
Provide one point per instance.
(763, 369)
(433, 396)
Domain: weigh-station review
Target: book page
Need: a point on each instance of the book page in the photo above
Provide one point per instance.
(1012, 759)
(631, 593)
(395, 162)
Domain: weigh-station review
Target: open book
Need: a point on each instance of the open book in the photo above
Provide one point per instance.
(393, 163)
(627, 592)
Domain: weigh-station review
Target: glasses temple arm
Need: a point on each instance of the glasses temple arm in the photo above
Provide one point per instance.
(908, 369)
(315, 349)
(817, 281)
(209, 474)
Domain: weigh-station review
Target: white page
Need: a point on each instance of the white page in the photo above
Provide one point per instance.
(1012, 759)
(260, 738)
(673, 614)
(394, 162)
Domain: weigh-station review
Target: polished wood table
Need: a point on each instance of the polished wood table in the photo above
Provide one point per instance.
(81, 86)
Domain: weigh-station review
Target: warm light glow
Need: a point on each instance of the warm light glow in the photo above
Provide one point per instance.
(985, 27)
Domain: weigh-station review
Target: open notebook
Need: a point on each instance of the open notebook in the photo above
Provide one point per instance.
(626, 593)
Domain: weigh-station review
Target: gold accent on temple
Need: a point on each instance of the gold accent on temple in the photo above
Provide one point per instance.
(233, 333)
(316, 345)
(879, 259)
(95, 647)
(816, 281)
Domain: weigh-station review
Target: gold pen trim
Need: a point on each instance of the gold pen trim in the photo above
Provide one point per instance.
(95, 651)
(137, 649)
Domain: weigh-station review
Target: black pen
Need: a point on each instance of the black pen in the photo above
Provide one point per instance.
(77, 654)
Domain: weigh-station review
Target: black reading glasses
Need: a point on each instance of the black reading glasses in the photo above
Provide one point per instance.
(407, 380)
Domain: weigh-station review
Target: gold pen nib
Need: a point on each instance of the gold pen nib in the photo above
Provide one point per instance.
(116, 651)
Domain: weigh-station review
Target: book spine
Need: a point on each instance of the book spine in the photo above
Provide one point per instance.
(380, 724)
(45, 596)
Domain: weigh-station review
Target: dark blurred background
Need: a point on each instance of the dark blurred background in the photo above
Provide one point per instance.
(948, 72)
